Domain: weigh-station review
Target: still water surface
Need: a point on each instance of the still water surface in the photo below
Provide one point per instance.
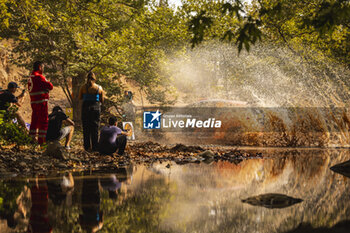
(287, 191)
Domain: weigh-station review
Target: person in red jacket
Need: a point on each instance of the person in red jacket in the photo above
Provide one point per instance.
(39, 215)
(39, 88)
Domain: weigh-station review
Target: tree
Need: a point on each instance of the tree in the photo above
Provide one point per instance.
(114, 39)
(322, 27)
(325, 21)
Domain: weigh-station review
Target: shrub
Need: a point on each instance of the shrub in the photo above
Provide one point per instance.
(12, 133)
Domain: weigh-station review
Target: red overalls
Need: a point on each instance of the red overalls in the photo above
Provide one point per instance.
(39, 219)
(38, 88)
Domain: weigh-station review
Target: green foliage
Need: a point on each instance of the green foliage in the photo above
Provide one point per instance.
(248, 34)
(236, 9)
(113, 38)
(9, 191)
(12, 133)
(322, 24)
(140, 213)
(237, 25)
(197, 26)
(303, 26)
(209, 19)
(133, 39)
(329, 15)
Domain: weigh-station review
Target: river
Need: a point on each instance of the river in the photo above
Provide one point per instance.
(289, 190)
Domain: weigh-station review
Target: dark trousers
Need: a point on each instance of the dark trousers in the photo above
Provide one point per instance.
(90, 204)
(120, 143)
(91, 122)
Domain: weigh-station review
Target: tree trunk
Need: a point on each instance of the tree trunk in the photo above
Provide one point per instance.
(77, 82)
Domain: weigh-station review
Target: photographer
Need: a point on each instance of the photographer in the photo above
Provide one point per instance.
(7, 98)
(55, 132)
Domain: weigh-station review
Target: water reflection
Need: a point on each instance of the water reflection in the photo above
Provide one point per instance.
(14, 204)
(272, 200)
(342, 168)
(39, 220)
(340, 227)
(61, 189)
(189, 198)
(91, 219)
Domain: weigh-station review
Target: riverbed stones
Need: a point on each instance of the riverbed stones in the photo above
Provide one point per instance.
(54, 149)
(184, 148)
(61, 165)
(140, 153)
(207, 154)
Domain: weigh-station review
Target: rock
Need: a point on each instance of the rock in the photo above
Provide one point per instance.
(181, 162)
(61, 165)
(74, 159)
(168, 166)
(192, 159)
(207, 154)
(342, 168)
(183, 148)
(108, 159)
(54, 149)
(208, 161)
(22, 164)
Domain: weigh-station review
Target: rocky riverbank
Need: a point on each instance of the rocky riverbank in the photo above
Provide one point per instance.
(26, 161)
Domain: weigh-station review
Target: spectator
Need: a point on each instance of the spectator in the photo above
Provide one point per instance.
(92, 96)
(91, 219)
(61, 190)
(39, 218)
(55, 132)
(112, 138)
(128, 107)
(39, 88)
(7, 98)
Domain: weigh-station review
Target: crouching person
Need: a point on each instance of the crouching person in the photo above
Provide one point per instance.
(55, 132)
(7, 98)
(112, 138)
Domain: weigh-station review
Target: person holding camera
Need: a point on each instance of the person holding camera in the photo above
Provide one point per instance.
(55, 132)
(8, 97)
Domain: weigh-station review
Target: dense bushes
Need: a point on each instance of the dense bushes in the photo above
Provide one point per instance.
(12, 133)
